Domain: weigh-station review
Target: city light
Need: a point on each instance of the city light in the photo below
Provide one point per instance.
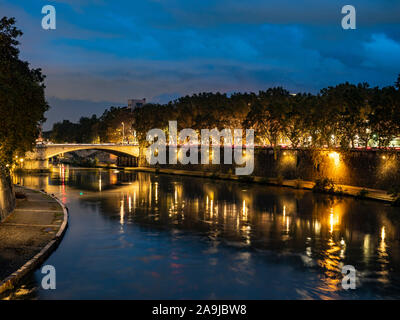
(123, 132)
(335, 157)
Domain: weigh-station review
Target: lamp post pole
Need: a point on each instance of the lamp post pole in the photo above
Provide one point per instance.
(123, 132)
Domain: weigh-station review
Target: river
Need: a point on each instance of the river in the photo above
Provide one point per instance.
(136, 235)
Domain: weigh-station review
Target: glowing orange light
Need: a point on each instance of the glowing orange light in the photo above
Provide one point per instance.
(335, 157)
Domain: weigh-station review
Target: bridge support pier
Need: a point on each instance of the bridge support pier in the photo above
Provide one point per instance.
(36, 164)
(127, 161)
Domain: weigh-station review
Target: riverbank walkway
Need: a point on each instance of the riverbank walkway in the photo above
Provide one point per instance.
(373, 194)
(29, 234)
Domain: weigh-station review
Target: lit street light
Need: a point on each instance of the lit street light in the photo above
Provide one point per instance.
(123, 132)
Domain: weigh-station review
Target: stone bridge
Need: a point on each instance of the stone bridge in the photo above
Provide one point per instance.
(38, 159)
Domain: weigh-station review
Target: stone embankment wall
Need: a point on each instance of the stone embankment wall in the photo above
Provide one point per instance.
(378, 169)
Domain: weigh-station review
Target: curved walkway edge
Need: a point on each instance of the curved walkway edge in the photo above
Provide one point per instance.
(371, 194)
(29, 214)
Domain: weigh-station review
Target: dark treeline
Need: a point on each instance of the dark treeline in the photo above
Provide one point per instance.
(107, 128)
(344, 116)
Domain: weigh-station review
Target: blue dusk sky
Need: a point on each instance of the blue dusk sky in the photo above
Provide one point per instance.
(105, 52)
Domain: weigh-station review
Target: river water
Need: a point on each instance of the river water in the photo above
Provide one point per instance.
(138, 235)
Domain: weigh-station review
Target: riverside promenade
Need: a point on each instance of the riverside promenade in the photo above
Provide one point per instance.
(372, 194)
(29, 234)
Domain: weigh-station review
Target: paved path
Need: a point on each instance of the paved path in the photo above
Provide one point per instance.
(29, 233)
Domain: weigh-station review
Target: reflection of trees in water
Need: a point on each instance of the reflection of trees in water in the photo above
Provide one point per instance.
(89, 180)
(284, 218)
(318, 228)
(35, 181)
(93, 180)
(312, 230)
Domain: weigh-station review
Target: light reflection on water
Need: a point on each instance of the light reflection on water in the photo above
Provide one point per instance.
(139, 235)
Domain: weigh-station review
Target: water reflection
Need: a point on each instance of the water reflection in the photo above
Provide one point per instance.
(314, 234)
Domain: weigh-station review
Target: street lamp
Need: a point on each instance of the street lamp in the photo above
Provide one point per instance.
(123, 132)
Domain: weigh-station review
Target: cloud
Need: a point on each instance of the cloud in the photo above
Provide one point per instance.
(312, 12)
(382, 52)
(113, 51)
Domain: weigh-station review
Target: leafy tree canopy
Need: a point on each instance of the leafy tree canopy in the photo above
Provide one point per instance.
(22, 98)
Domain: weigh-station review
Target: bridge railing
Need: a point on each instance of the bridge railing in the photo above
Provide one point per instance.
(86, 144)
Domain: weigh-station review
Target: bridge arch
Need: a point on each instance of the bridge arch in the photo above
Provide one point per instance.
(38, 159)
(129, 150)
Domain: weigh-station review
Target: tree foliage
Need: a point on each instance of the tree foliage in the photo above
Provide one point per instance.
(22, 99)
(345, 115)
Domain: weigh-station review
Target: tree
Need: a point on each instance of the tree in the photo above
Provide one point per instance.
(293, 119)
(265, 115)
(110, 128)
(349, 112)
(22, 99)
(63, 132)
(385, 106)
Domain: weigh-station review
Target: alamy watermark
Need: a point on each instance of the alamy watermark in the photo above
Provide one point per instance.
(187, 150)
(349, 278)
(349, 20)
(49, 20)
(49, 280)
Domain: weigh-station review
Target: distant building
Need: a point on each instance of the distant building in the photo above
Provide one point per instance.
(136, 103)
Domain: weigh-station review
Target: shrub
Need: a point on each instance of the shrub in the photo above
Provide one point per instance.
(279, 180)
(264, 180)
(394, 192)
(214, 175)
(246, 178)
(325, 185)
(297, 184)
(338, 190)
(362, 194)
(396, 202)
